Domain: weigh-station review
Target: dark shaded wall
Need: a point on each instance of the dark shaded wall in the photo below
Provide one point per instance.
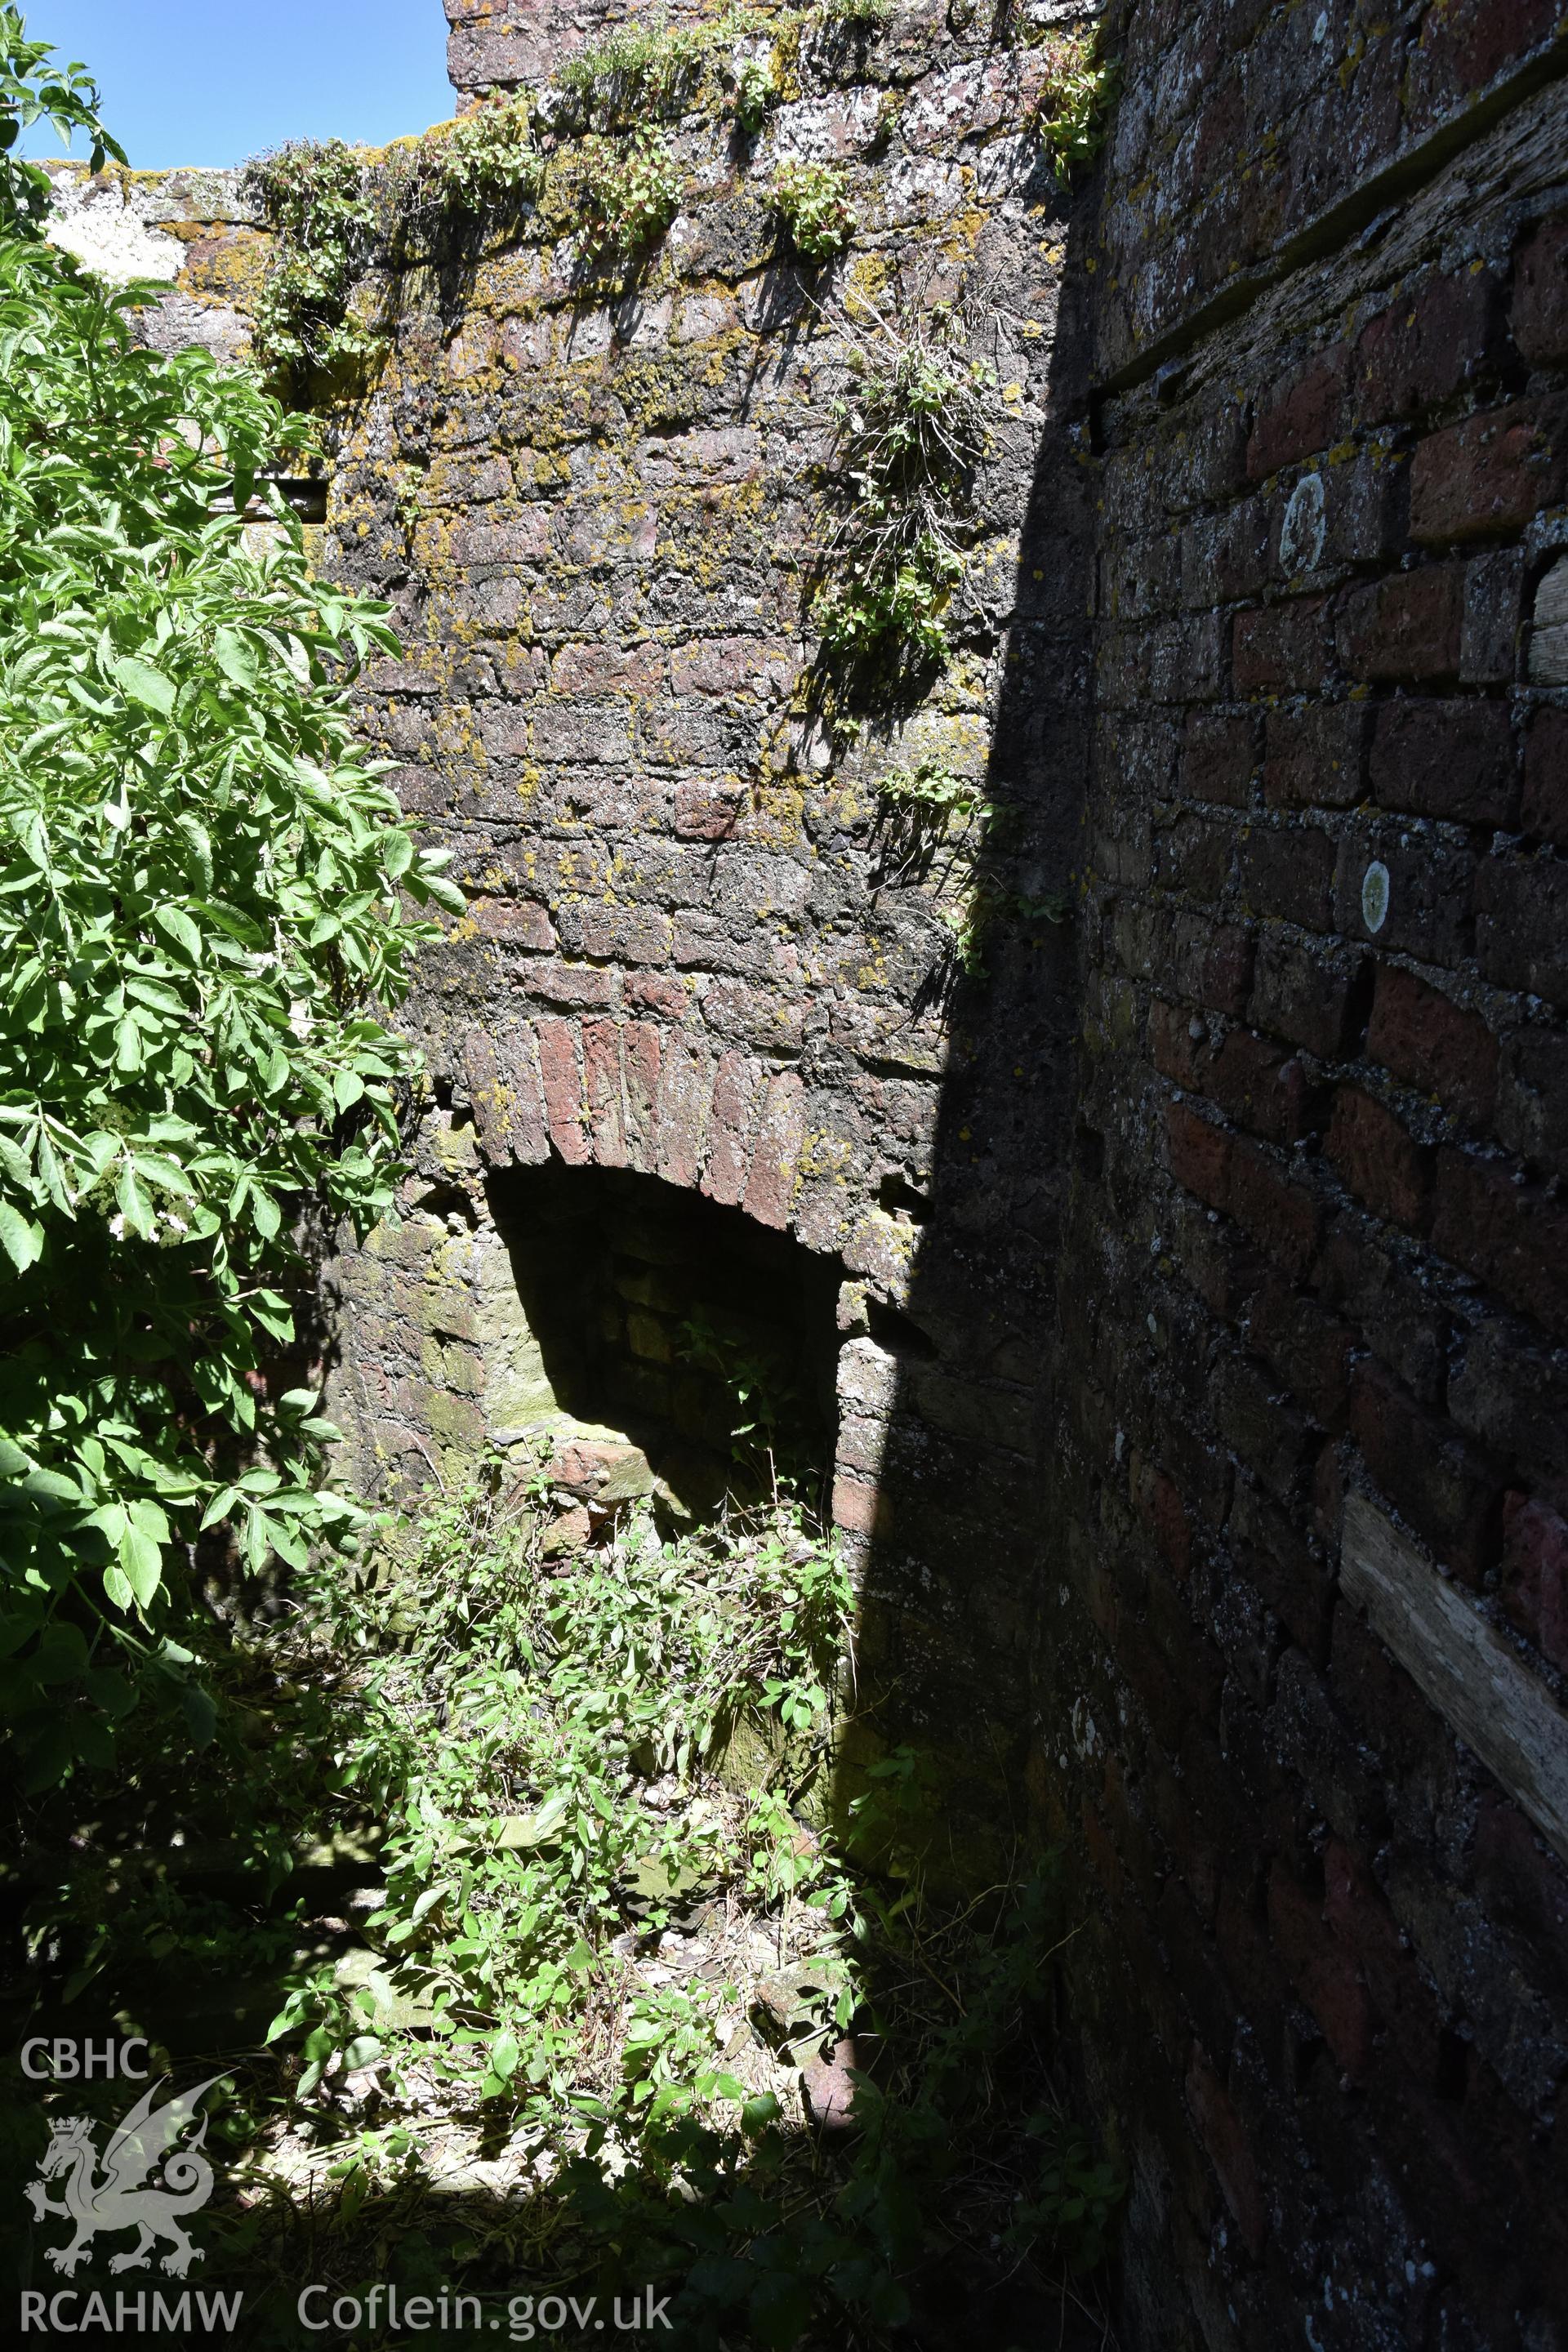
(1303, 1688)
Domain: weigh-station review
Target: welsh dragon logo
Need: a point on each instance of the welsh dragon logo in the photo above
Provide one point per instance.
(122, 2198)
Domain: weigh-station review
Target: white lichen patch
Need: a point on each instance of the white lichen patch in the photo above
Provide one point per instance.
(103, 228)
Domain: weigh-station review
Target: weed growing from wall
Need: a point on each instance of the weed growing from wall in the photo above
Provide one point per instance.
(813, 202)
(929, 818)
(334, 209)
(483, 160)
(654, 72)
(1072, 112)
(936, 828)
(631, 193)
(314, 197)
(910, 434)
(755, 92)
(645, 72)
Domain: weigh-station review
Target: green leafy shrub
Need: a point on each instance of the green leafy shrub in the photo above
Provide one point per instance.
(1071, 112)
(202, 898)
(34, 88)
(631, 193)
(813, 202)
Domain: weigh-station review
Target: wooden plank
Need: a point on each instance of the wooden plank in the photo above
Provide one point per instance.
(1467, 1671)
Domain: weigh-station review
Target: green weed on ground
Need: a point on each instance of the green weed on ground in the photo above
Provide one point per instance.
(594, 2012)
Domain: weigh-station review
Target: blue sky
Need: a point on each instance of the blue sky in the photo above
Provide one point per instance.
(212, 82)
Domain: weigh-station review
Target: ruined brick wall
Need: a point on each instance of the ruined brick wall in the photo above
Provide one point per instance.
(1306, 1680)
(194, 231)
(594, 503)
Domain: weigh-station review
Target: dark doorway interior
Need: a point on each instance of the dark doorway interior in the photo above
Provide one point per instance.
(708, 1339)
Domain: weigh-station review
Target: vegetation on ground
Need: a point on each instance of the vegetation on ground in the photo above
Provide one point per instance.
(665, 2019)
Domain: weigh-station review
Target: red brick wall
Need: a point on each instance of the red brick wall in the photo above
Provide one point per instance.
(1319, 1244)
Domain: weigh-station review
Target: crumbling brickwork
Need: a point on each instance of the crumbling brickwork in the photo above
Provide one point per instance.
(507, 44)
(1315, 1327)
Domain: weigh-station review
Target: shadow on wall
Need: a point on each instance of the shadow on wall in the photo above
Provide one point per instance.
(954, 1499)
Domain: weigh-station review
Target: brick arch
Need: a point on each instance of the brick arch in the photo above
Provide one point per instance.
(640, 1094)
(601, 1091)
